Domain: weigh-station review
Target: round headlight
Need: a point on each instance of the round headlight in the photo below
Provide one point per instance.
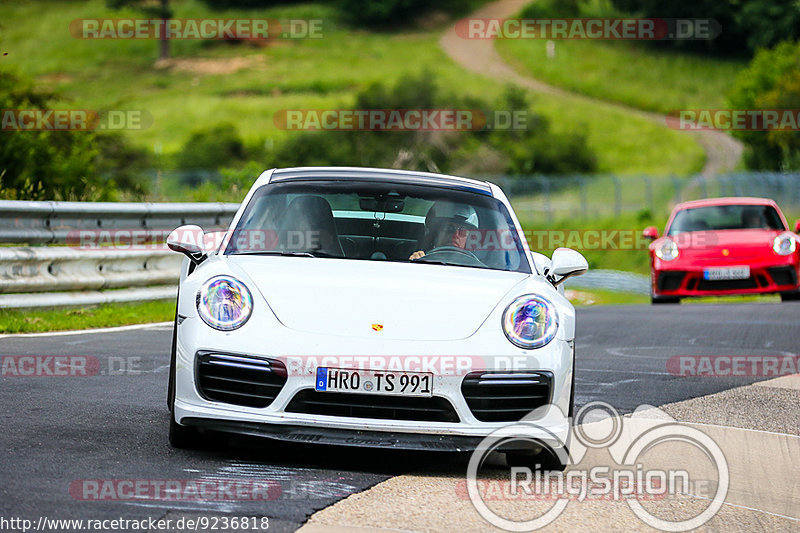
(784, 244)
(224, 303)
(530, 322)
(667, 251)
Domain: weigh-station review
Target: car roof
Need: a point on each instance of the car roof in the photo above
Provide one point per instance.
(735, 200)
(399, 176)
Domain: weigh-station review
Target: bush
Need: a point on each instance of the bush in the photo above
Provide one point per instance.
(60, 165)
(210, 149)
(746, 24)
(771, 81)
(124, 165)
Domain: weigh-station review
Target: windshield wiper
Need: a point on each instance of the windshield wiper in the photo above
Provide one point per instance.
(275, 252)
(284, 253)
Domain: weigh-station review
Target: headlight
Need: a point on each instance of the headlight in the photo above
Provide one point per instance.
(530, 322)
(784, 244)
(667, 251)
(224, 303)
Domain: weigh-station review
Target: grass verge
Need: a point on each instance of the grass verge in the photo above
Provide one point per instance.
(627, 72)
(592, 297)
(102, 316)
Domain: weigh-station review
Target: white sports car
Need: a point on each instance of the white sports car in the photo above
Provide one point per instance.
(373, 308)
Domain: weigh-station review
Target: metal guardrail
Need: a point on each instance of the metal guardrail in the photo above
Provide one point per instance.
(52, 222)
(588, 197)
(60, 268)
(51, 276)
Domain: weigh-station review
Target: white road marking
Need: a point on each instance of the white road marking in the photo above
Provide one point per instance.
(152, 325)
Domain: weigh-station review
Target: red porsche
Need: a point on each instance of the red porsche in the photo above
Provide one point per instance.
(723, 246)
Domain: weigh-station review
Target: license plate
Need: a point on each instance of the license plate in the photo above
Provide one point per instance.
(374, 382)
(724, 273)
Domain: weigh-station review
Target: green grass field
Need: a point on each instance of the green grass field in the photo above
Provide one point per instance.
(593, 297)
(203, 87)
(627, 72)
(102, 316)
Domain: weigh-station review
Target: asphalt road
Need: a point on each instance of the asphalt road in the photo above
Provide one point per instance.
(57, 431)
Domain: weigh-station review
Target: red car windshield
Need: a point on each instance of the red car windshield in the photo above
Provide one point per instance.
(726, 217)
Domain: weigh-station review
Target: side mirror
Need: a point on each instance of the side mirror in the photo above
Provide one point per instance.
(797, 226)
(566, 263)
(650, 232)
(187, 240)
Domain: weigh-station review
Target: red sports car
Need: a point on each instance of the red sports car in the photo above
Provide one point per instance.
(722, 246)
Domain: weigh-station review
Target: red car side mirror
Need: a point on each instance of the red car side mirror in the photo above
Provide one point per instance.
(650, 232)
(797, 226)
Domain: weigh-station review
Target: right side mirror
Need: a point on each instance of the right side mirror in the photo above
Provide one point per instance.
(566, 263)
(650, 232)
(797, 226)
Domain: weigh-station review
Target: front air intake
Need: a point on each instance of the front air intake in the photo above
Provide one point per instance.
(505, 396)
(239, 379)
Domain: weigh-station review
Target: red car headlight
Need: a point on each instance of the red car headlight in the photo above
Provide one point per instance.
(784, 244)
(667, 251)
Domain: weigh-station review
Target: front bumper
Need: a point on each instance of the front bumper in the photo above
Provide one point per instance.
(548, 424)
(689, 281)
(359, 438)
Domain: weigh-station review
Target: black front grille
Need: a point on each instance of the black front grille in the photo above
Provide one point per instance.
(670, 281)
(499, 396)
(726, 284)
(239, 379)
(784, 275)
(433, 409)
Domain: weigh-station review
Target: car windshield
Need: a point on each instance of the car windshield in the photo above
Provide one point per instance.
(379, 221)
(726, 217)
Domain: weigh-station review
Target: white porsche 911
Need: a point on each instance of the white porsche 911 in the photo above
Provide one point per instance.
(373, 308)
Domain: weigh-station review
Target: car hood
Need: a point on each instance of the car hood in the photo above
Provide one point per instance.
(355, 298)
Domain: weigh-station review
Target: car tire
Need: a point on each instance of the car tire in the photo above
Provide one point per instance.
(545, 460)
(664, 300)
(790, 296)
(172, 362)
(181, 437)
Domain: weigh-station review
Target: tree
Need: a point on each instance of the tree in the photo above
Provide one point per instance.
(771, 81)
(157, 9)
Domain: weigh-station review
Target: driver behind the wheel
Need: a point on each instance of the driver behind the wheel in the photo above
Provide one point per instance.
(447, 224)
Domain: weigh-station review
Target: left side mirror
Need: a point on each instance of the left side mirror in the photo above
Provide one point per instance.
(187, 240)
(797, 226)
(650, 232)
(566, 263)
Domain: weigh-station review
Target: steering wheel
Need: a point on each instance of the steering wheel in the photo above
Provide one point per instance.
(443, 251)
